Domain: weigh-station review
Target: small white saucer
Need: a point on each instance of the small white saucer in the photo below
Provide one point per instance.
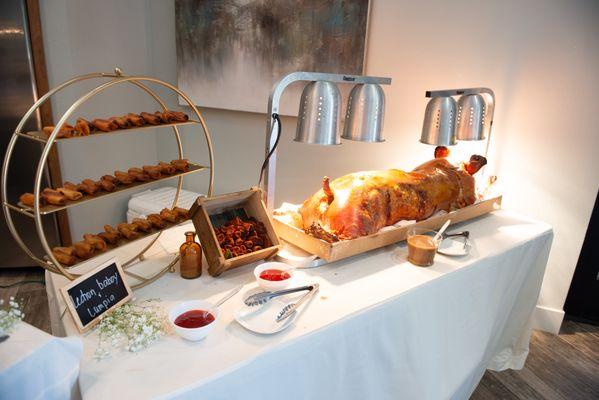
(262, 319)
(455, 246)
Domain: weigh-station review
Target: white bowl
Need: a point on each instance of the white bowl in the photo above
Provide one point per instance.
(193, 334)
(272, 286)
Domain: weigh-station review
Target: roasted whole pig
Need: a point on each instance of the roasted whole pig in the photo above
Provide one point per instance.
(361, 203)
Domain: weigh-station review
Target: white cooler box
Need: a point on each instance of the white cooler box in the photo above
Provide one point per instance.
(152, 201)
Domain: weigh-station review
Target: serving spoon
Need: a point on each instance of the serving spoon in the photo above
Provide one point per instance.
(440, 233)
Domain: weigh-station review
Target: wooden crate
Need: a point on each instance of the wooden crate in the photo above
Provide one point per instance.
(249, 201)
(347, 248)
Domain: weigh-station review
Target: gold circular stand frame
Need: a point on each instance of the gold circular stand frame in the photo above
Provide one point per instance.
(117, 77)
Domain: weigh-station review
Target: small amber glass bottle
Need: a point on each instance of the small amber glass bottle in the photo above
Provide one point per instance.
(191, 257)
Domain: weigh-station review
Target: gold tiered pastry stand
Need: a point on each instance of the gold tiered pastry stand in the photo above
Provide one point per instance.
(48, 261)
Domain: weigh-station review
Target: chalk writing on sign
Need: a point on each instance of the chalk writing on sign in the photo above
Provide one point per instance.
(97, 292)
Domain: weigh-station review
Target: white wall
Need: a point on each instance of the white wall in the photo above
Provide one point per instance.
(540, 57)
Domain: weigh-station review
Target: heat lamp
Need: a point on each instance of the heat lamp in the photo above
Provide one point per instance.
(320, 112)
(447, 121)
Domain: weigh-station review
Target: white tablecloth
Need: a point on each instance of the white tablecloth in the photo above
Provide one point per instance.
(380, 328)
(35, 365)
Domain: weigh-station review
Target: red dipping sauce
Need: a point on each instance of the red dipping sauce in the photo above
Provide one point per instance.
(194, 319)
(274, 275)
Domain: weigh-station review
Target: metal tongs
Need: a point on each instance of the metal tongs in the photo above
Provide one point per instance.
(263, 297)
(465, 234)
(291, 308)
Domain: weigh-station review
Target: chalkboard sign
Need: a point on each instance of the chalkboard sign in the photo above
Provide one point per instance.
(94, 294)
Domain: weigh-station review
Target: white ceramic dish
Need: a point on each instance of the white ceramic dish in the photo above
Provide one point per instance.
(262, 319)
(273, 286)
(193, 334)
(454, 246)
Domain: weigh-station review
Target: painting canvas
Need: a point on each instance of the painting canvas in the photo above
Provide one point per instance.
(230, 53)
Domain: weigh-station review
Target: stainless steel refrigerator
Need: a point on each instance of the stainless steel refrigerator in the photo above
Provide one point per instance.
(17, 94)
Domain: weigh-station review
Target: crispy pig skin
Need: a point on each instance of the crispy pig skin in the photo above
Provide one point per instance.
(361, 203)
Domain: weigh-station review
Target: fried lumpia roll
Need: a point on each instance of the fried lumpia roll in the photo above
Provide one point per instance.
(54, 197)
(104, 125)
(123, 177)
(150, 118)
(96, 241)
(109, 178)
(135, 120)
(27, 199)
(176, 116)
(168, 215)
(108, 237)
(88, 186)
(122, 122)
(180, 165)
(163, 117)
(88, 182)
(182, 213)
(166, 168)
(139, 176)
(83, 127)
(72, 195)
(65, 255)
(84, 250)
(106, 185)
(153, 171)
(129, 231)
(70, 186)
(135, 170)
(112, 230)
(66, 131)
(142, 224)
(157, 221)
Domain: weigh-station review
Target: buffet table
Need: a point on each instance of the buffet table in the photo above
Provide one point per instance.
(380, 328)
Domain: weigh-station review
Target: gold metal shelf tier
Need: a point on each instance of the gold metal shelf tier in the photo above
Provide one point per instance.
(48, 209)
(123, 242)
(39, 136)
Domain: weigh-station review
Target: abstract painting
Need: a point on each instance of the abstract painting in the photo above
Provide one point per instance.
(231, 52)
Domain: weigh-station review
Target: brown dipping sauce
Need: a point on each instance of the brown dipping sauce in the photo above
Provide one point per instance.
(421, 250)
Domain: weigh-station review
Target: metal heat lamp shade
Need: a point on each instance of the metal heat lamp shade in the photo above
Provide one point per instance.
(471, 117)
(318, 114)
(438, 127)
(365, 114)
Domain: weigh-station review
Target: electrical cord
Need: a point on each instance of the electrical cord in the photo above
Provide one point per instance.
(277, 119)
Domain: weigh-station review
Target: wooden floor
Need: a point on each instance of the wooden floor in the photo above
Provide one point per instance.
(562, 367)
(32, 295)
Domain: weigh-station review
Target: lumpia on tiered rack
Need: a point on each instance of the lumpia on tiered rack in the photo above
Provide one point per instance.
(38, 210)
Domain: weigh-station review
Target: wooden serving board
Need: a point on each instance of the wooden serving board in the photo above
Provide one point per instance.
(347, 248)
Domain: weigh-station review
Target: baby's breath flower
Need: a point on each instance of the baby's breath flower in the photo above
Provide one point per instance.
(10, 316)
(134, 326)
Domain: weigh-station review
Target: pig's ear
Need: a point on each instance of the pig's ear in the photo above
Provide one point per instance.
(326, 188)
(475, 164)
